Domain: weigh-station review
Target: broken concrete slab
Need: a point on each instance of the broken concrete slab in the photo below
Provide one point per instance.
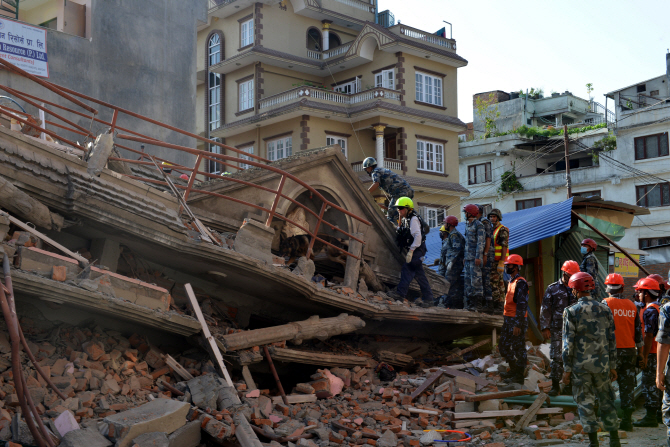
(65, 423)
(255, 239)
(187, 436)
(205, 391)
(162, 415)
(154, 439)
(86, 437)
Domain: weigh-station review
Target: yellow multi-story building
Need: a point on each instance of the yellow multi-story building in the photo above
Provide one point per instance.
(277, 77)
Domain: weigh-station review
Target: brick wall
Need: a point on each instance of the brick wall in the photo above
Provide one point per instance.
(498, 95)
(660, 269)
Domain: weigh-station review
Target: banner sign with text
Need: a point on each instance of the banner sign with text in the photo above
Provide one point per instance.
(625, 267)
(24, 46)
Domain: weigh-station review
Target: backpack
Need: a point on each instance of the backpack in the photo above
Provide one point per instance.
(404, 238)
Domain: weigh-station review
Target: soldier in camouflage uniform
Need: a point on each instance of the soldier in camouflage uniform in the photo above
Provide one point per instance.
(487, 261)
(500, 242)
(515, 321)
(391, 183)
(451, 262)
(590, 263)
(556, 298)
(589, 359)
(662, 370)
(475, 238)
(628, 332)
(650, 291)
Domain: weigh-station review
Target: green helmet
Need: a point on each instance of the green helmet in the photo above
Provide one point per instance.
(369, 162)
(496, 212)
(404, 202)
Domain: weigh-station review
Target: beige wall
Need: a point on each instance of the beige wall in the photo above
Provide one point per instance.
(360, 143)
(231, 99)
(449, 83)
(47, 11)
(231, 34)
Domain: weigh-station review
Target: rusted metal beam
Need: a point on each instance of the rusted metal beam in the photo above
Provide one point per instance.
(274, 373)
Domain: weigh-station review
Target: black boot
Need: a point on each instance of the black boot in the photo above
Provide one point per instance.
(593, 440)
(478, 303)
(614, 439)
(567, 390)
(659, 416)
(626, 421)
(555, 388)
(649, 419)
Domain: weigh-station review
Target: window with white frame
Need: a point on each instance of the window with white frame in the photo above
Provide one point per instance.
(429, 156)
(434, 216)
(248, 150)
(246, 95)
(280, 148)
(479, 173)
(214, 87)
(385, 79)
(342, 141)
(246, 33)
(428, 89)
(214, 167)
(349, 87)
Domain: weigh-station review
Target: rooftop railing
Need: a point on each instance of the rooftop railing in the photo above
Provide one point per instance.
(417, 34)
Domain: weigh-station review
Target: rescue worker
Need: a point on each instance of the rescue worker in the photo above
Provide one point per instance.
(500, 242)
(589, 359)
(662, 382)
(650, 292)
(639, 303)
(451, 262)
(413, 266)
(590, 263)
(556, 298)
(393, 185)
(475, 238)
(663, 298)
(513, 337)
(487, 263)
(628, 333)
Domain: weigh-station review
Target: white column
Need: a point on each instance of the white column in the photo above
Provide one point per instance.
(325, 36)
(379, 144)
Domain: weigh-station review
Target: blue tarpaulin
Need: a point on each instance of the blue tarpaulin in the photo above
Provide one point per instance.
(525, 227)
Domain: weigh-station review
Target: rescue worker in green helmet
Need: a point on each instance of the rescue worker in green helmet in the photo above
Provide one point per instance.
(391, 183)
(415, 242)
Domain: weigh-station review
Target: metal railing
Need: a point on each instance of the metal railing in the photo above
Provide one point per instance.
(640, 101)
(327, 54)
(328, 95)
(149, 160)
(596, 107)
(427, 37)
(213, 5)
(389, 163)
(363, 6)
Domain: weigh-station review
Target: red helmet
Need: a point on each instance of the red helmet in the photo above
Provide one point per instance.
(637, 284)
(590, 243)
(514, 260)
(659, 279)
(614, 279)
(570, 267)
(648, 284)
(451, 220)
(581, 282)
(471, 209)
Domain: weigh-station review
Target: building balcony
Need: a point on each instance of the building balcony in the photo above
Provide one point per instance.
(226, 8)
(424, 37)
(350, 13)
(327, 54)
(328, 97)
(389, 163)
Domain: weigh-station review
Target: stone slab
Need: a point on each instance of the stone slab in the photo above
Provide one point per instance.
(163, 415)
(87, 437)
(154, 439)
(187, 436)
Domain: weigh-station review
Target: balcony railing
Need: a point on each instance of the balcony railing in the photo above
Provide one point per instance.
(329, 96)
(358, 4)
(389, 163)
(327, 54)
(434, 39)
(216, 4)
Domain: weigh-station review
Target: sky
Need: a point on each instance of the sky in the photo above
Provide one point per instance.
(513, 45)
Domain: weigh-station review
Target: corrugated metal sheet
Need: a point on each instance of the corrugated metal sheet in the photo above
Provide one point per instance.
(525, 227)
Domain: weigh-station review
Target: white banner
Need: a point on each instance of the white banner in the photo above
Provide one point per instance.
(24, 46)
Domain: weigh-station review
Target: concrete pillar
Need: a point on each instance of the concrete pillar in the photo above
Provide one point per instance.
(107, 253)
(353, 266)
(325, 35)
(379, 144)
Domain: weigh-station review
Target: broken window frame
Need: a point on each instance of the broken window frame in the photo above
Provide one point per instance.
(429, 156)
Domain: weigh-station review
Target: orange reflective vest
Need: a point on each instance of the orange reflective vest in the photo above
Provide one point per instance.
(510, 305)
(623, 311)
(499, 248)
(654, 345)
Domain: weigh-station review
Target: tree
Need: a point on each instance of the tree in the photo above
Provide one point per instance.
(487, 111)
(589, 90)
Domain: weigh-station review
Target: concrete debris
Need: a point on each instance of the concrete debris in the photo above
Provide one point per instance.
(86, 437)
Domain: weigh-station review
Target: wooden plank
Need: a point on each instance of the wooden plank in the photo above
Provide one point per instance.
(207, 334)
(322, 359)
(46, 239)
(248, 378)
(176, 366)
(422, 411)
(499, 395)
(469, 423)
(460, 352)
(530, 412)
(295, 399)
(426, 383)
(500, 413)
(455, 373)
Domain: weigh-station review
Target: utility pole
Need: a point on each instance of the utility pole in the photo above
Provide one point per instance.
(566, 141)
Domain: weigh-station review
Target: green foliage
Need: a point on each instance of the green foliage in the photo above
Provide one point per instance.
(509, 183)
(533, 93)
(488, 113)
(605, 144)
(552, 131)
(589, 89)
